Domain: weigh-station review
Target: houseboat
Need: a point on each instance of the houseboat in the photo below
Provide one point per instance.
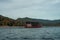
(33, 25)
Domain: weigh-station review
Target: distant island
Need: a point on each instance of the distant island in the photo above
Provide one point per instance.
(6, 21)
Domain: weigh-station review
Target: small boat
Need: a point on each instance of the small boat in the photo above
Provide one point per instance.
(33, 25)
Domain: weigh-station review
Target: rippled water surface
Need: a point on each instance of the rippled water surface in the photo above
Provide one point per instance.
(47, 33)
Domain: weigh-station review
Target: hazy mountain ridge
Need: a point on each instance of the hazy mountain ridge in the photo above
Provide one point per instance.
(5, 21)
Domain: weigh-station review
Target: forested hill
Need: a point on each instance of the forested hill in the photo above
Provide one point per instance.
(6, 21)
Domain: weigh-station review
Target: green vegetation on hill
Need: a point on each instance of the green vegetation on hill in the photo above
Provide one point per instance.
(5, 21)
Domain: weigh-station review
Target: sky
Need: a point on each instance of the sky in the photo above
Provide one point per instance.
(41, 9)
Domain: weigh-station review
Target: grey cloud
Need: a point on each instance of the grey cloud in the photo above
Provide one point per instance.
(32, 8)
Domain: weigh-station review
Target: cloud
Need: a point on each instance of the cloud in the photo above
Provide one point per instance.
(45, 9)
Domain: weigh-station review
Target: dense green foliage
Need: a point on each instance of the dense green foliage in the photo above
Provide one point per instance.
(5, 21)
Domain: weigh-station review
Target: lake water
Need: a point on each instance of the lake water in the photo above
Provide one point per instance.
(46, 33)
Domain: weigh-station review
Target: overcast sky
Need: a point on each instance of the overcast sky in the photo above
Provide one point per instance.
(41, 9)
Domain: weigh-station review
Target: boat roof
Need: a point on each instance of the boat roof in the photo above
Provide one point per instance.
(33, 22)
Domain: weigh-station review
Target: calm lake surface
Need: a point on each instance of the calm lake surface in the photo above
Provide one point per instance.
(16, 33)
